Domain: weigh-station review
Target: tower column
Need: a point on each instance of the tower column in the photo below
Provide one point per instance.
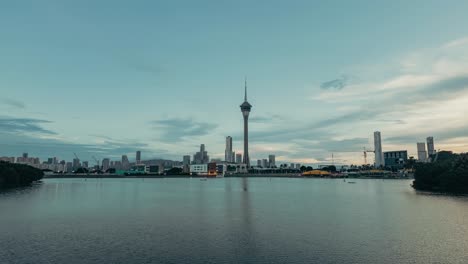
(246, 141)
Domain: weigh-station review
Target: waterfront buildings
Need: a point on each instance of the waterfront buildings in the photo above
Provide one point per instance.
(201, 157)
(8, 159)
(186, 163)
(239, 158)
(265, 163)
(245, 109)
(138, 157)
(379, 158)
(430, 146)
(228, 153)
(186, 160)
(105, 164)
(200, 169)
(125, 162)
(271, 161)
(396, 159)
(76, 164)
(422, 154)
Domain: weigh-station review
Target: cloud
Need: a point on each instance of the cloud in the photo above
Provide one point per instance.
(336, 84)
(24, 125)
(47, 147)
(268, 118)
(175, 129)
(13, 103)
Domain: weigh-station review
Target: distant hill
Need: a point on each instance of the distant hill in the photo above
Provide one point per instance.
(448, 173)
(12, 174)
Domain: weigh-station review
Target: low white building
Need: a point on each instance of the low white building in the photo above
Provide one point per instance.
(199, 169)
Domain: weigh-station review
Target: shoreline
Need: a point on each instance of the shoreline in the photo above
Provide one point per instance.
(112, 176)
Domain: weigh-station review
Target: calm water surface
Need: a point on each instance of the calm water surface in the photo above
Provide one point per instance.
(230, 220)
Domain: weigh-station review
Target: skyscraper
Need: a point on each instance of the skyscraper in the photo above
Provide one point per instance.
(76, 164)
(138, 157)
(245, 108)
(228, 151)
(238, 158)
(186, 160)
(422, 154)
(379, 158)
(271, 161)
(430, 146)
(105, 164)
(201, 157)
(125, 163)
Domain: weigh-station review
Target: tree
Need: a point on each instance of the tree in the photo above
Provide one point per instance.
(174, 171)
(410, 163)
(449, 174)
(18, 174)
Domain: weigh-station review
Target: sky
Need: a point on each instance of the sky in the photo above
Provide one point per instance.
(106, 78)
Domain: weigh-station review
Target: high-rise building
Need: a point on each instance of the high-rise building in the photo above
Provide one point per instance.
(259, 163)
(85, 164)
(228, 151)
(201, 157)
(264, 163)
(25, 155)
(422, 154)
(245, 108)
(125, 162)
(76, 164)
(186, 160)
(379, 158)
(105, 164)
(271, 161)
(396, 159)
(430, 146)
(69, 167)
(239, 158)
(118, 165)
(138, 157)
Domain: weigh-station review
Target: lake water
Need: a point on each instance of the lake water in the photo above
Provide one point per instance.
(232, 220)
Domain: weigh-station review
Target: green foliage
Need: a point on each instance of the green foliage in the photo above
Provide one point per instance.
(175, 171)
(448, 174)
(18, 174)
(331, 168)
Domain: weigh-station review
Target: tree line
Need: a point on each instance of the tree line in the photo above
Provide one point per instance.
(12, 174)
(448, 173)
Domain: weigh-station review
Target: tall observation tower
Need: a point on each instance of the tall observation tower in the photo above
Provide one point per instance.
(245, 108)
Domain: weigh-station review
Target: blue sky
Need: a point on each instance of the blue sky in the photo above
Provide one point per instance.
(106, 78)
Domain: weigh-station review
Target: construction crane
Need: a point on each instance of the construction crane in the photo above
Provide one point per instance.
(365, 154)
(97, 162)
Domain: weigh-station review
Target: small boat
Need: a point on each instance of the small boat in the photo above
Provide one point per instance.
(203, 179)
(352, 182)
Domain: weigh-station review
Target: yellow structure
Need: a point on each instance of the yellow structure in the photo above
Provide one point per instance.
(316, 173)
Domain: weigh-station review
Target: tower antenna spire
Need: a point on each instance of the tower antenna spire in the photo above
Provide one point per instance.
(245, 86)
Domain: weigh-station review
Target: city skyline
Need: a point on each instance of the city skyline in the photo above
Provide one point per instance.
(318, 89)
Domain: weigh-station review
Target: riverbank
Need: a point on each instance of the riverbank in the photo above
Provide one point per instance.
(284, 175)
